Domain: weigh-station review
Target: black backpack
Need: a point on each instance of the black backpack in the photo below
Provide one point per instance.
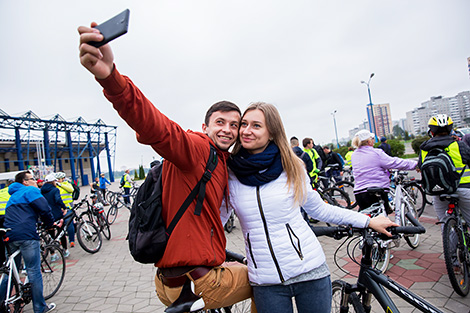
(438, 173)
(75, 192)
(147, 233)
(122, 181)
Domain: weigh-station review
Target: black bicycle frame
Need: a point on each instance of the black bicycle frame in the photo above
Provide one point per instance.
(374, 282)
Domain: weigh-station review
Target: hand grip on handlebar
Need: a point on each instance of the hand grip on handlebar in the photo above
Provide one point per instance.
(334, 232)
(417, 228)
(233, 256)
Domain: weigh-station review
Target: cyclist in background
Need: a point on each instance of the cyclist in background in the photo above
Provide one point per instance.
(440, 127)
(23, 210)
(371, 167)
(127, 187)
(66, 190)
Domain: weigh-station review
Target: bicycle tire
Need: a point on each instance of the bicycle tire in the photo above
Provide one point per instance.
(337, 288)
(104, 226)
(418, 196)
(411, 240)
(17, 305)
(53, 271)
(380, 257)
(110, 197)
(229, 225)
(89, 237)
(339, 197)
(112, 214)
(457, 264)
(349, 189)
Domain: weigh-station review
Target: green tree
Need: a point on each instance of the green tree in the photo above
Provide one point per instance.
(342, 150)
(141, 172)
(397, 146)
(417, 142)
(136, 176)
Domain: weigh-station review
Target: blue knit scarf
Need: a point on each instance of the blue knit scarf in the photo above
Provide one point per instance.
(257, 169)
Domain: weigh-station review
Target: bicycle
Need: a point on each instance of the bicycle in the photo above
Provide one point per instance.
(192, 303)
(118, 202)
(371, 283)
(413, 188)
(95, 214)
(88, 234)
(18, 292)
(455, 240)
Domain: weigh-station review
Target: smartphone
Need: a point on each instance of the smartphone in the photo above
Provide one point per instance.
(112, 28)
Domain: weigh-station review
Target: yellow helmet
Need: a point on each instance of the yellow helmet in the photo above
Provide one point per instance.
(440, 123)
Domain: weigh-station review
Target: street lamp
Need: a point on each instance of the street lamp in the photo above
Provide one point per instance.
(336, 131)
(370, 113)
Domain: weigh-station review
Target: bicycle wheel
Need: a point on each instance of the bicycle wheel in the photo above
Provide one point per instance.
(348, 187)
(110, 197)
(89, 237)
(52, 269)
(239, 307)
(456, 256)
(337, 298)
(411, 240)
(418, 196)
(104, 226)
(380, 257)
(112, 214)
(15, 303)
(339, 197)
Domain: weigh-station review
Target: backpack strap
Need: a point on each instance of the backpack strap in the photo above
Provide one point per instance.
(199, 190)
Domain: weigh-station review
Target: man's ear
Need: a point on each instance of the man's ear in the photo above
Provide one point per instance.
(204, 128)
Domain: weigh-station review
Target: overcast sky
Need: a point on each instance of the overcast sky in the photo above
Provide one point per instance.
(306, 57)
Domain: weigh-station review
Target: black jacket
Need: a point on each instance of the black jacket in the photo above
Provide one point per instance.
(305, 157)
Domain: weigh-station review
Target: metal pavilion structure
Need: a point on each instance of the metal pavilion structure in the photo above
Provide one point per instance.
(54, 144)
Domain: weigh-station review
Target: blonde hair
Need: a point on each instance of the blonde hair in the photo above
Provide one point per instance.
(356, 142)
(292, 165)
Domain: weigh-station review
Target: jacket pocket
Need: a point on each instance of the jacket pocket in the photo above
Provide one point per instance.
(295, 241)
(251, 251)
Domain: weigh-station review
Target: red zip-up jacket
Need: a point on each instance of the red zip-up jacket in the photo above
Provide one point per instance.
(196, 240)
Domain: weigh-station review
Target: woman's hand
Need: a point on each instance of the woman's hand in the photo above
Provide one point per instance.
(381, 223)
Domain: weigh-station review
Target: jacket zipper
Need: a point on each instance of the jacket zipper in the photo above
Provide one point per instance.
(263, 218)
(212, 244)
(251, 251)
(297, 248)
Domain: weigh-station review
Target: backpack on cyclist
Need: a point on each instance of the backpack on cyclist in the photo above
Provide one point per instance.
(438, 173)
(75, 192)
(123, 181)
(148, 235)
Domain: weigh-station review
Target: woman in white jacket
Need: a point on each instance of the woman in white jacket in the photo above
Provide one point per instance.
(268, 184)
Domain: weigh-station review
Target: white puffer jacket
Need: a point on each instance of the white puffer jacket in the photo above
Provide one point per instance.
(278, 242)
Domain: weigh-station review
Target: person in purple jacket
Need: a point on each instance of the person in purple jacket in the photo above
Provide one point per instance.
(371, 167)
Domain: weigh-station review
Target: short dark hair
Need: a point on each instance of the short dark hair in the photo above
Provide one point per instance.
(223, 106)
(306, 141)
(20, 177)
(294, 141)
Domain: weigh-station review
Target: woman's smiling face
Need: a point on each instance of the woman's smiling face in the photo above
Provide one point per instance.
(254, 134)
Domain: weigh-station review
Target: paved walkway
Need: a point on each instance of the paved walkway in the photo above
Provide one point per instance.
(110, 281)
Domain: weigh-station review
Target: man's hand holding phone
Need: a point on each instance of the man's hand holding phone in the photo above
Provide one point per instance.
(99, 61)
(95, 54)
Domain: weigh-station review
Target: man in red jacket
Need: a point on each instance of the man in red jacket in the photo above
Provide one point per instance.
(196, 248)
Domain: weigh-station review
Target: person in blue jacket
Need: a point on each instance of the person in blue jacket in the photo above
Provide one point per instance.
(52, 194)
(103, 182)
(25, 207)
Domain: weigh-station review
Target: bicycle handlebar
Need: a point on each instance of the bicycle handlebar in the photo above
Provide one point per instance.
(338, 232)
(233, 256)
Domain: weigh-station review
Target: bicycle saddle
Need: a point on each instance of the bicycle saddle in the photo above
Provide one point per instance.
(376, 190)
(187, 300)
(449, 196)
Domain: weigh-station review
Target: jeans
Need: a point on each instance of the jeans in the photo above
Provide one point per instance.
(310, 296)
(126, 195)
(71, 227)
(32, 258)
